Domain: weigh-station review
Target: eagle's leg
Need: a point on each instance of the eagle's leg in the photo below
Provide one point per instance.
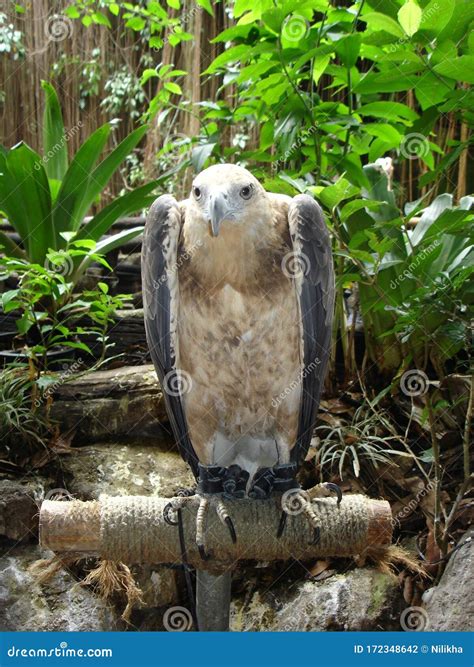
(201, 527)
(297, 501)
(224, 517)
(218, 482)
(327, 486)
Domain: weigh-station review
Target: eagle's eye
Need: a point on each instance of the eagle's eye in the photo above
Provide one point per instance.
(246, 192)
(197, 193)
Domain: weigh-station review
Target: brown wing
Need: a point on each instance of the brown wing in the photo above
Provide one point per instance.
(160, 303)
(314, 283)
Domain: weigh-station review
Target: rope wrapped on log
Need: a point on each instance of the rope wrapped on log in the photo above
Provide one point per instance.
(132, 529)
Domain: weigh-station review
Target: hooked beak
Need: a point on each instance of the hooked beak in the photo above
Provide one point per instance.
(218, 211)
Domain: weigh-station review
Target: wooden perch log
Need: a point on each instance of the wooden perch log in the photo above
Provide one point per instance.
(133, 530)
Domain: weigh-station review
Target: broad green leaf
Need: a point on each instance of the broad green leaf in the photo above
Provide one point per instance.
(73, 198)
(377, 21)
(106, 245)
(333, 194)
(409, 17)
(148, 74)
(394, 111)
(100, 19)
(200, 154)
(119, 207)
(397, 79)
(430, 214)
(173, 88)
(54, 135)
(460, 69)
(26, 199)
(319, 67)
(234, 54)
(436, 15)
(430, 91)
(102, 174)
(206, 4)
(348, 49)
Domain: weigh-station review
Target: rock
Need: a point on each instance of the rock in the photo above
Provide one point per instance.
(361, 599)
(158, 585)
(19, 502)
(124, 469)
(115, 403)
(449, 606)
(61, 604)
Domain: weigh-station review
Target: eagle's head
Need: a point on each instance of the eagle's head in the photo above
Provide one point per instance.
(227, 198)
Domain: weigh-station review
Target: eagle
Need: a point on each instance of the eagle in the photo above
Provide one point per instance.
(238, 296)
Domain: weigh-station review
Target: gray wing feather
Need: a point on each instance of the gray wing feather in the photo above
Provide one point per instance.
(160, 303)
(315, 289)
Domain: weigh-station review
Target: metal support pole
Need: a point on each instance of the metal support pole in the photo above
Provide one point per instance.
(213, 600)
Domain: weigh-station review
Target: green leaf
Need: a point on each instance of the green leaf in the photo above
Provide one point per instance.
(54, 135)
(319, 67)
(348, 49)
(148, 74)
(26, 199)
(173, 88)
(392, 111)
(101, 19)
(400, 79)
(106, 245)
(114, 8)
(429, 91)
(430, 214)
(460, 69)
(409, 17)
(333, 194)
(73, 198)
(436, 15)
(121, 206)
(102, 174)
(200, 154)
(206, 4)
(135, 23)
(377, 21)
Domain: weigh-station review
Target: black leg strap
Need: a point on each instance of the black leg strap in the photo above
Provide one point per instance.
(278, 479)
(231, 481)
